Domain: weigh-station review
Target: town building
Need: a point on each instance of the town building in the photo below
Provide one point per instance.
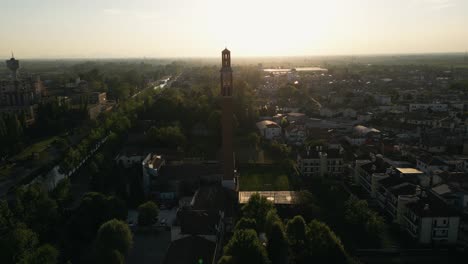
(320, 163)
(151, 166)
(21, 93)
(269, 129)
(437, 107)
(295, 134)
(428, 219)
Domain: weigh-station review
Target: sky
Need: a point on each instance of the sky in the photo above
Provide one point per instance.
(202, 28)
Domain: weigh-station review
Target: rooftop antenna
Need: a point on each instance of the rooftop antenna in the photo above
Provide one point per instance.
(12, 55)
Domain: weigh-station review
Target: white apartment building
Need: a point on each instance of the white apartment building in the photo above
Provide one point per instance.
(318, 163)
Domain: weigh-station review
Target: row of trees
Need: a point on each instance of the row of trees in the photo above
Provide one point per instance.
(114, 125)
(29, 226)
(295, 242)
(122, 80)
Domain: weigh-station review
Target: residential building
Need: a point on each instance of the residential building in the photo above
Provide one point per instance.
(428, 219)
(429, 164)
(320, 163)
(361, 134)
(21, 93)
(269, 129)
(151, 167)
(437, 107)
(295, 134)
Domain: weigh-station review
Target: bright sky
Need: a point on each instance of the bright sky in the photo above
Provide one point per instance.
(196, 28)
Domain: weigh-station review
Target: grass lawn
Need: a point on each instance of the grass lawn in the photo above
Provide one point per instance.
(37, 147)
(263, 178)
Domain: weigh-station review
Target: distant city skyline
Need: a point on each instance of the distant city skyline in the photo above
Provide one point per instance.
(184, 28)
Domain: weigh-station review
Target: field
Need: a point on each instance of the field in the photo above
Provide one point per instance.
(263, 178)
(38, 147)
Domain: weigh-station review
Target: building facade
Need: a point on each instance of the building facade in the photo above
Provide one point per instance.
(318, 163)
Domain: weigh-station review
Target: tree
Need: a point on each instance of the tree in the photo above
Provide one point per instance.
(6, 218)
(17, 244)
(245, 248)
(363, 220)
(246, 223)
(121, 91)
(271, 219)
(296, 230)
(147, 213)
(169, 136)
(278, 151)
(93, 211)
(323, 246)
(257, 208)
(36, 209)
(62, 193)
(45, 254)
(253, 139)
(114, 235)
(110, 257)
(277, 246)
(306, 205)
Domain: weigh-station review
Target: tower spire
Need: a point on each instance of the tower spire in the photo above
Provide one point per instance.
(226, 120)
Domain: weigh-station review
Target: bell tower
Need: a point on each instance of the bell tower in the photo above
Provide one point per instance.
(226, 120)
(226, 74)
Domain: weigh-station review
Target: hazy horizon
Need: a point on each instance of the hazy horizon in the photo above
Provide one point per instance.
(54, 29)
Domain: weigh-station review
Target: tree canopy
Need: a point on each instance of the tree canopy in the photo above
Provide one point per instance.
(114, 235)
(362, 219)
(245, 248)
(257, 208)
(277, 246)
(246, 223)
(147, 213)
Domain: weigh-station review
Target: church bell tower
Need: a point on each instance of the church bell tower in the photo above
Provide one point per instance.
(226, 122)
